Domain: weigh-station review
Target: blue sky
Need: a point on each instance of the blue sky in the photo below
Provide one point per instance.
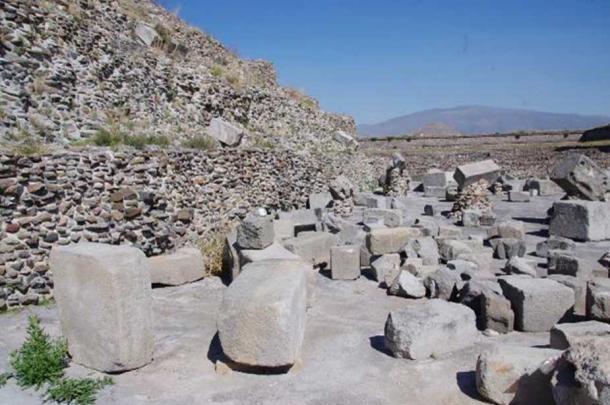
(376, 60)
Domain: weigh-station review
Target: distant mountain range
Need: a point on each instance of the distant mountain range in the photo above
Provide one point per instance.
(471, 120)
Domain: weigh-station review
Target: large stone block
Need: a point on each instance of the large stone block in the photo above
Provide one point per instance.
(319, 200)
(538, 303)
(407, 285)
(303, 219)
(564, 335)
(255, 232)
(103, 295)
(554, 243)
(437, 178)
(390, 240)
(511, 375)
(580, 177)
(598, 299)
(184, 266)
(385, 268)
(312, 247)
(579, 286)
(391, 218)
(345, 262)
(273, 251)
(470, 173)
(581, 220)
(496, 312)
(262, 317)
(433, 328)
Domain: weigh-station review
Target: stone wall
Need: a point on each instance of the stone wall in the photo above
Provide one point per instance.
(153, 199)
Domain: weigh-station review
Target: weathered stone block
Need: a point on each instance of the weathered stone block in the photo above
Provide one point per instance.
(385, 267)
(470, 173)
(407, 285)
(312, 247)
(435, 192)
(496, 312)
(391, 218)
(225, 132)
(510, 375)
(471, 218)
(580, 177)
(598, 299)
(581, 220)
(345, 262)
(554, 243)
(538, 303)
(319, 200)
(571, 266)
(273, 251)
(262, 317)
(564, 335)
(255, 232)
(103, 295)
(579, 286)
(184, 266)
(390, 240)
(506, 248)
(518, 196)
(433, 328)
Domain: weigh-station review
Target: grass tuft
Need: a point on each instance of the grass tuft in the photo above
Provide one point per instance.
(212, 249)
(40, 359)
(80, 391)
(201, 142)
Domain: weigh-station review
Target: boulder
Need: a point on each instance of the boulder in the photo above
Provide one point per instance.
(538, 303)
(507, 229)
(579, 286)
(507, 248)
(345, 262)
(581, 220)
(519, 265)
(471, 217)
(580, 177)
(496, 312)
(146, 33)
(255, 232)
(312, 247)
(430, 329)
(390, 240)
(103, 295)
(542, 187)
(426, 249)
(571, 266)
(261, 321)
(513, 375)
(598, 299)
(184, 266)
(470, 173)
(443, 284)
(554, 243)
(450, 249)
(407, 285)
(564, 335)
(345, 139)
(224, 132)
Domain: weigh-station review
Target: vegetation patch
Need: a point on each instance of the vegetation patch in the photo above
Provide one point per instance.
(41, 361)
(212, 249)
(201, 142)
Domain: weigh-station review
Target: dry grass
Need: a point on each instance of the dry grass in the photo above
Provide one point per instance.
(212, 249)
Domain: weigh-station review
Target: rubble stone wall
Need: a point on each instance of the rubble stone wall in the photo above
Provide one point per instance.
(153, 199)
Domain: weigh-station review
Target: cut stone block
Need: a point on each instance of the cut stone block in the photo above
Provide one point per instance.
(283, 229)
(564, 335)
(542, 187)
(571, 266)
(518, 196)
(427, 249)
(496, 312)
(103, 295)
(390, 240)
(450, 249)
(427, 226)
(433, 328)
(262, 317)
(470, 173)
(507, 229)
(580, 177)
(511, 375)
(519, 265)
(538, 303)
(443, 284)
(579, 286)
(303, 219)
(449, 231)
(385, 267)
(184, 266)
(391, 218)
(312, 247)
(407, 285)
(471, 218)
(598, 299)
(345, 262)
(506, 248)
(371, 200)
(344, 138)
(471, 296)
(554, 243)
(581, 220)
(434, 192)
(255, 232)
(341, 188)
(437, 178)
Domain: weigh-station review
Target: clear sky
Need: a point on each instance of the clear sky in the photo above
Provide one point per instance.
(379, 59)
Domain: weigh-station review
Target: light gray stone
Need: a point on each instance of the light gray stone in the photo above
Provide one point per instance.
(390, 240)
(390, 217)
(345, 262)
(312, 247)
(427, 249)
(319, 200)
(470, 173)
(345, 139)
(283, 229)
(571, 266)
(580, 177)
(579, 286)
(538, 303)
(519, 265)
(581, 220)
(437, 178)
(598, 299)
(518, 196)
(512, 375)
(563, 335)
(507, 248)
(407, 285)
(341, 188)
(184, 266)
(434, 192)
(103, 295)
(443, 284)
(255, 232)
(471, 217)
(554, 243)
(146, 33)
(496, 312)
(507, 229)
(433, 328)
(385, 267)
(225, 132)
(261, 321)
(273, 251)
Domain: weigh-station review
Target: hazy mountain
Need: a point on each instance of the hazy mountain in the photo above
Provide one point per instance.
(482, 120)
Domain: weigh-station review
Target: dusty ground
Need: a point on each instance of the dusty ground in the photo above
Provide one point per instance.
(343, 361)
